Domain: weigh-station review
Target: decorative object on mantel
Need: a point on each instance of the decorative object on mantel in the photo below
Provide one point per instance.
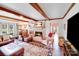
(39, 25)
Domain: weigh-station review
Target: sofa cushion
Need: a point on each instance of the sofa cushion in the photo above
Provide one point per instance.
(5, 37)
(0, 40)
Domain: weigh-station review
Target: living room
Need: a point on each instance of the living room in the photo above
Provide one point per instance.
(32, 33)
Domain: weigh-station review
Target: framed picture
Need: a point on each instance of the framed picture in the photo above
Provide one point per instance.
(4, 26)
(11, 27)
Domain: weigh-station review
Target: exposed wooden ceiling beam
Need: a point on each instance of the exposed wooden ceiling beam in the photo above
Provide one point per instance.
(39, 9)
(13, 18)
(69, 10)
(56, 18)
(15, 12)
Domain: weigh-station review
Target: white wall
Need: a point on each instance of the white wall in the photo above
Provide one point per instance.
(47, 27)
(60, 26)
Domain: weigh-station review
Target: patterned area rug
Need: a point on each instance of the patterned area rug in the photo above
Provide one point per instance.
(39, 44)
(32, 50)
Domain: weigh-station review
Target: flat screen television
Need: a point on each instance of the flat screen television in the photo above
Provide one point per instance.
(73, 30)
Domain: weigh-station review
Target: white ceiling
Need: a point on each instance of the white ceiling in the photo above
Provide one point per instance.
(55, 10)
(52, 10)
(4, 13)
(25, 9)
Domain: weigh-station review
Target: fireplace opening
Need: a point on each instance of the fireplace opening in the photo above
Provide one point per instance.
(38, 33)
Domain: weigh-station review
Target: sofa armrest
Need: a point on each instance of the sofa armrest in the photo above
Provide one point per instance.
(5, 42)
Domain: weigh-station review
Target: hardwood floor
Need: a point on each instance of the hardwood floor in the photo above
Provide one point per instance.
(58, 51)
